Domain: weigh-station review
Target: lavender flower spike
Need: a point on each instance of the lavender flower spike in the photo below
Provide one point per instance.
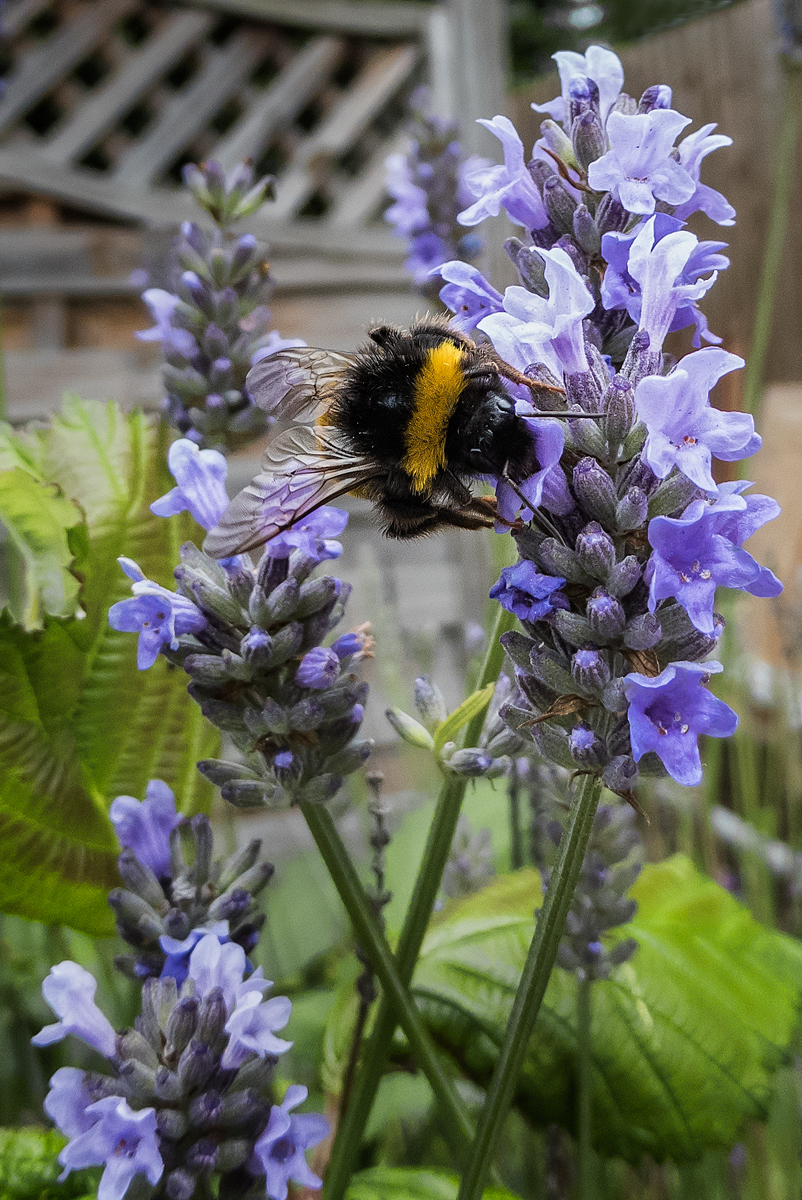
(510, 186)
(280, 1149)
(638, 168)
(201, 478)
(121, 1139)
(598, 64)
(684, 430)
(145, 826)
(667, 714)
(70, 992)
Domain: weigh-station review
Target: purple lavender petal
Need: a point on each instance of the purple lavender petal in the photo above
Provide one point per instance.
(145, 826)
(70, 990)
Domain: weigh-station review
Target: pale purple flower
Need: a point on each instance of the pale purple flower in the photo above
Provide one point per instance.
(655, 268)
(314, 535)
(162, 306)
(409, 214)
(468, 294)
(122, 1140)
(158, 615)
(689, 560)
(252, 1028)
(692, 149)
(684, 430)
(522, 590)
(668, 713)
(216, 964)
(201, 479)
(598, 64)
(319, 668)
(737, 517)
(509, 186)
(427, 251)
(638, 168)
(544, 330)
(67, 1101)
(279, 1152)
(178, 950)
(146, 825)
(70, 991)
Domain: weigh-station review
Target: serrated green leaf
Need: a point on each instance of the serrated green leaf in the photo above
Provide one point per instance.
(37, 517)
(686, 1035)
(29, 1167)
(79, 724)
(412, 1183)
(474, 704)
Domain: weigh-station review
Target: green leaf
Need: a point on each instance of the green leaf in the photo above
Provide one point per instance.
(460, 717)
(686, 1035)
(29, 1169)
(412, 1183)
(79, 724)
(37, 517)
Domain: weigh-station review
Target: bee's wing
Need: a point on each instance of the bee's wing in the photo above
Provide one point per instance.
(303, 468)
(297, 383)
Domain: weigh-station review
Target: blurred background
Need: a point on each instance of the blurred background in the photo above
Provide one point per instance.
(105, 101)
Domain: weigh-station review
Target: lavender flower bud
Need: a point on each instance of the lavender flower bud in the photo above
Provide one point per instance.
(595, 491)
(139, 1081)
(552, 742)
(619, 408)
(256, 648)
(319, 669)
(181, 1026)
(202, 1157)
(135, 917)
(321, 789)
(306, 715)
(409, 729)
(611, 216)
(218, 771)
(350, 759)
(232, 1153)
(596, 551)
(557, 140)
(196, 1065)
(672, 494)
(286, 643)
(586, 437)
(590, 670)
(642, 632)
(139, 878)
(641, 360)
(585, 231)
(471, 763)
(576, 630)
(549, 670)
(317, 594)
(656, 96)
(204, 1111)
(530, 266)
(168, 1086)
(588, 137)
(587, 750)
(171, 1124)
(429, 702)
(614, 697)
(246, 793)
(605, 614)
(560, 204)
(179, 1185)
(624, 576)
(621, 774)
(632, 510)
(132, 1044)
(282, 602)
(559, 559)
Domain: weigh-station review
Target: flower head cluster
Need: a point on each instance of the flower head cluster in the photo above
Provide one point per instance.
(174, 893)
(623, 532)
(250, 640)
(214, 324)
(187, 1093)
(428, 186)
(611, 865)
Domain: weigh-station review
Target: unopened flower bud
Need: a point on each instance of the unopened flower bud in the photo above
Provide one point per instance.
(171, 1124)
(587, 749)
(595, 490)
(135, 916)
(139, 1080)
(575, 629)
(247, 793)
(206, 669)
(181, 1026)
(656, 96)
(139, 878)
(632, 510)
(530, 266)
(204, 1111)
(350, 759)
(282, 602)
(614, 697)
(552, 742)
(611, 216)
(641, 359)
(559, 559)
(132, 1044)
(204, 845)
(242, 860)
(321, 789)
(196, 1065)
(470, 763)
(256, 648)
(409, 729)
(218, 771)
(672, 494)
(596, 551)
(202, 1157)
(551, 670)
(286, 643)
(559, 203)
(587, 133)
(619, 408)
(429, 702)
(319, 669)
(624, 576)
(590, 670)
(642, 632)
(606, 616)
(317, 594)
(621, 774)
(179, 1185)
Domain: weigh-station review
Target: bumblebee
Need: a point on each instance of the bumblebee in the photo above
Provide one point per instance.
(407, 422)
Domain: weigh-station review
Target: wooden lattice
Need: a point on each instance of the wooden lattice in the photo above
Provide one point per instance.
(106, 100)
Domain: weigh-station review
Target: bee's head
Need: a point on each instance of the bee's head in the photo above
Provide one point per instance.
(487, 433)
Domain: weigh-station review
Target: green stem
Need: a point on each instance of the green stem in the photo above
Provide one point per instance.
(585, 1087)
(532, 986)
(441, 835)
(775, 238)
(373, 942)
(516, 833)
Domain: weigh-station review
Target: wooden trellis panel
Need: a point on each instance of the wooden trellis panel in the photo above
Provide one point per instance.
(106, 100)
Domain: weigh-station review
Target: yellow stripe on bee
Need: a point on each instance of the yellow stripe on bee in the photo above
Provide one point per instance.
(438, 387)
